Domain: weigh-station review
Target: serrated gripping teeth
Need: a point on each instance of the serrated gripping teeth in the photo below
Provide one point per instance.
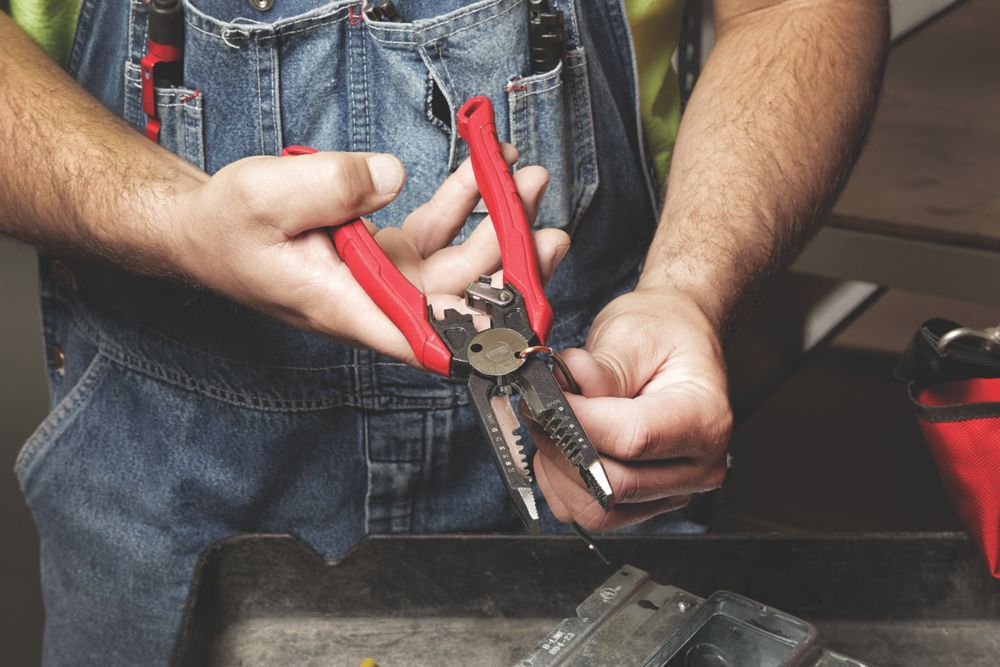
(567, 435)
(596, 480)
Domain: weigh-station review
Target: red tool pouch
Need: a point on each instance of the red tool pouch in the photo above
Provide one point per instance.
(953, 378)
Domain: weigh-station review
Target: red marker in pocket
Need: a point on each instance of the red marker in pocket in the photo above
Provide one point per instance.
(163, 64)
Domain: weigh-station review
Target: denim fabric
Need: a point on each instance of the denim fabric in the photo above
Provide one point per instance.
(180, 418)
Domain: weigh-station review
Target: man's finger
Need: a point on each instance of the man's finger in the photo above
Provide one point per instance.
(433, 225)
(449, 271)
(324, 189)
(570, 501)
(552, 246)
(398, 247)
(681, 422)
(594, 378)
(532, 182)
(640, 482)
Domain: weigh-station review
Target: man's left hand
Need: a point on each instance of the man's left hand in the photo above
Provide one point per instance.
(655, 406)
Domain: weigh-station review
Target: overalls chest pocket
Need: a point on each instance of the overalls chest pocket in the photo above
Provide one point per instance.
(179, 108)
(434, 62)
(327, 74)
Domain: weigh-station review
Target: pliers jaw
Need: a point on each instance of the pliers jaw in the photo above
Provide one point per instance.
(497, 367)
(502, 430)
(490, 361)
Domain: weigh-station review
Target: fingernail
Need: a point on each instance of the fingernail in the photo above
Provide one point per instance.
(387, 174)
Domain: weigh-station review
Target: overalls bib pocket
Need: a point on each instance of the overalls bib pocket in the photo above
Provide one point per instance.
(179, 109)
(51, 434)
(436, 62)
(551, 124)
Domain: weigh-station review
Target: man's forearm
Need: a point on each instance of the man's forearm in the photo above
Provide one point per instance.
(767, 141)
(73, 178)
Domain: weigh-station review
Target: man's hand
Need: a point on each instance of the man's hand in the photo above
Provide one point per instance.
(766, 142)
(255, 232)
(258, 233)
(655, 406)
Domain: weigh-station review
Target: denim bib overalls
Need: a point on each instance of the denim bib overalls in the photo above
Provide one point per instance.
(179, 418)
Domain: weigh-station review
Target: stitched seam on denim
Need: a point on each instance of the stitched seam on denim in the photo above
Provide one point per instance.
(452, 148)
(432, 72)
(183, 381)
(586, 141)
(200, 129)
(526, 95)
(191, 117)
(368, 470)
(133, 79)
(514, 111)
(419, 33)
(84, 22)
(251, 34)
(232, 396)
(92, 333)
(59, 419)
(566, 321)
(436, 24)
(578, 86)
(260, 112)
(364, 81)
(122, 357)
(274, 28)
(493, 17)
(131, 24)
(275, 99)
(459, 14)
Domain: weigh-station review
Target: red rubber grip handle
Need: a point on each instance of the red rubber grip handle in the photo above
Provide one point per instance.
(158, 53)
(396, 296)
(517, 247)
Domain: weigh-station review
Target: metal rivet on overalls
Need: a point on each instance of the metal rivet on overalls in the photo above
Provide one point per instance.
(58, 358)
(62, 276)
(261, 5)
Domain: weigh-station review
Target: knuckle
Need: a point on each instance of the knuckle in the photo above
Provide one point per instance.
(347, 190)
(245, 188)
(680, 502)
(720, 419)
(634, 440)
(629, 487)
(593, 519)
(714, 477)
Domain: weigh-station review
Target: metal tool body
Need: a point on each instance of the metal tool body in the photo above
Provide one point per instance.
(498, 369)
(494, 362)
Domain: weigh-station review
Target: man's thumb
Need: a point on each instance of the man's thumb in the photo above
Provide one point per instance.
(596, 376)
(323, 189)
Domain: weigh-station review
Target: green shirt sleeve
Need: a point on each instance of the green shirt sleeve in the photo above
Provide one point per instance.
(51, 23)
(656, 26)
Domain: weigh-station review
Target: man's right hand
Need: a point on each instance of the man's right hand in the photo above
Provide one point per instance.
(257, 232)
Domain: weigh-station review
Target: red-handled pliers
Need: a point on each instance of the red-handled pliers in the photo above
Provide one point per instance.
(497, 361)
